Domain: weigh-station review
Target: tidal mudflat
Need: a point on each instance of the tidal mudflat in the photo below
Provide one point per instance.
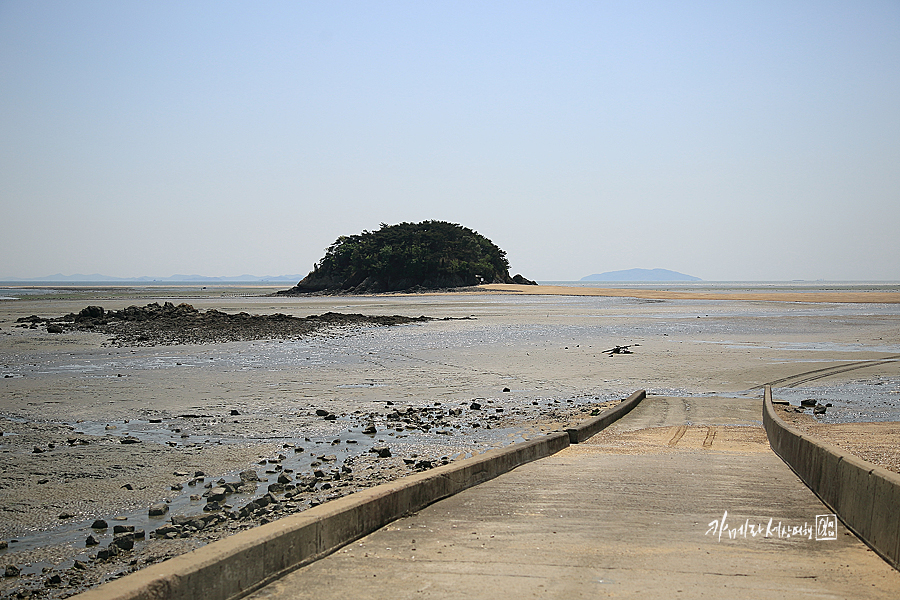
(300, 411)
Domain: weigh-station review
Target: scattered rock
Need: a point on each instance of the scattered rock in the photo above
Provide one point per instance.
(159, 509)
(66, 515)
(53, 580)
(124, 541)
(381, 451)
(249, 475)
(12, 571)
(91, 541)
(130, 440)
(370, 429)
(235, 413)
(54, 329)
(100, 524)
(506, 389)
(475, 406)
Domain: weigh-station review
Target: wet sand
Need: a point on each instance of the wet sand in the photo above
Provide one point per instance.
(547, 350)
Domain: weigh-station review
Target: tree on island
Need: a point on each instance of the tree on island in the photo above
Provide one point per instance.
(408, 256)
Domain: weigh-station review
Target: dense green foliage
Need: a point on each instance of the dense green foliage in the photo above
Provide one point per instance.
(430, 254)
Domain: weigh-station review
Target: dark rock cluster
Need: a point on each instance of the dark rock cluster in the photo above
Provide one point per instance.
(168, 324)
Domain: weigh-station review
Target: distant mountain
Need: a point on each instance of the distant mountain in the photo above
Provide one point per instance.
(641, 275)
(171, 279)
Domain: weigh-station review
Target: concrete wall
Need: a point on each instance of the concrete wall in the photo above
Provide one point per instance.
(592, 426)
(865, 497)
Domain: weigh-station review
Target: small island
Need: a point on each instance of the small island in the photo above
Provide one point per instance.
(407, 257)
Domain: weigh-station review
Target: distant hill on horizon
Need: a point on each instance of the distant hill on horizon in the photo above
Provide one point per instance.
(96, 277)
(641, 275)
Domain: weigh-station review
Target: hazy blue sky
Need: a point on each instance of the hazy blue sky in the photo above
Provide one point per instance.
(728, 140)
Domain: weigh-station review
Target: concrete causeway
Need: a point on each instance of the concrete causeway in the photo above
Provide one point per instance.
(635, 511)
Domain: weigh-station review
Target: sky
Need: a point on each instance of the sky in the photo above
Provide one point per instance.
(749, 141)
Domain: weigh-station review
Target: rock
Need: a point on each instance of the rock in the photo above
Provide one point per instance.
(91, 541)
(331, 417)
(108, 552)
(165, 530)
(53, 580)
(54, 329)
(123, 529)
(180, 473)
(321, 412)
(216, 494)
(807, 403)
(130, 440)
(127, 486)
(66, 515)
(249, 475)
(284, 479)
(4, 544)
(199, 474)
(43, 481)
(12, 571)
(819, 410)
(38, 450)
(506, 389)
(79, 566)
(475, 406)
(177, 487)
(157, 510)
(124, 541)
(235, 413)
(370, 429)
(381, 451)
(99, 524)
(90, 312)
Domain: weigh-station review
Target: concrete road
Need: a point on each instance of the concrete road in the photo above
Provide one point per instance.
(637, 511)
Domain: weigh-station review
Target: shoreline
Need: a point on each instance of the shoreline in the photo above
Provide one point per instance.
(817, 297)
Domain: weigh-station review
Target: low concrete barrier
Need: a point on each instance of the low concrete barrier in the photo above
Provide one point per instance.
(866, 497)
(248, 560)
(592, 426)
